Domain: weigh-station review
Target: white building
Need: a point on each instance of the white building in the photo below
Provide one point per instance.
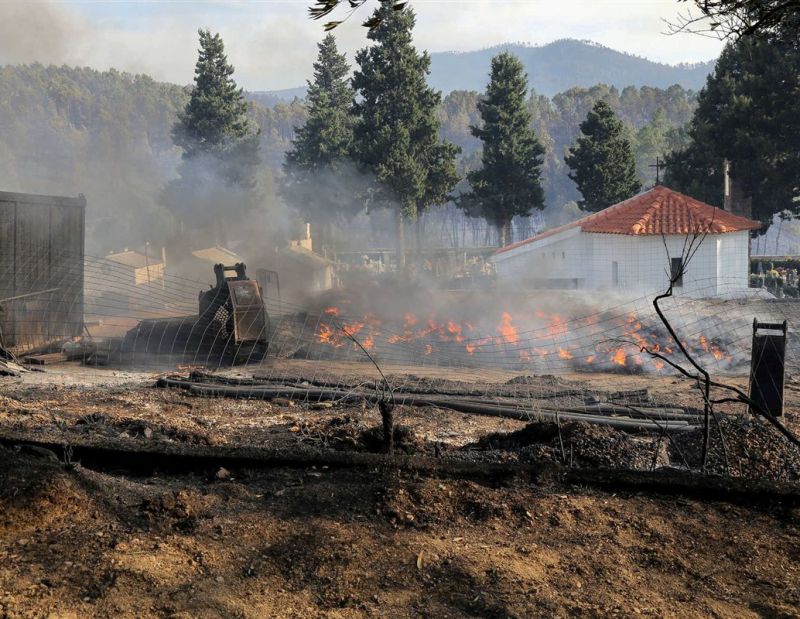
(622, 248)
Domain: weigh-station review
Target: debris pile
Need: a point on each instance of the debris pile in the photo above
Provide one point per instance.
(754, 449)
(578, 444)
(346, 432)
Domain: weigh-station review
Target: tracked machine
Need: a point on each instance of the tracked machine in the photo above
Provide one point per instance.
(231, 327)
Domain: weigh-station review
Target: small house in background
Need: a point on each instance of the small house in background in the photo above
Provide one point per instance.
(41, 269)
(125, 281)
(306, 242)
(302, 272)
(198, 265)
(295, 271)
(217, 255)
(633, 247)
(139, 269)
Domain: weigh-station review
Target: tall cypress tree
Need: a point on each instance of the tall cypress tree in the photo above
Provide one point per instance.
(396, 133)
(216, 114)
(317, 180)
(602, 162)
(220, 147)
(509, 183)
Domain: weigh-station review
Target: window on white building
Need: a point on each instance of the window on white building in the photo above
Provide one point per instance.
(676, 271)
(615, 273)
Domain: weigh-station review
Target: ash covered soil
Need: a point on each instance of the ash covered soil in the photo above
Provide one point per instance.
(354, 542)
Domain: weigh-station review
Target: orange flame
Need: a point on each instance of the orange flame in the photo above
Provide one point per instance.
(455, 329)
(619, 357)
(557, 326)
(325, 334)
(507, 329)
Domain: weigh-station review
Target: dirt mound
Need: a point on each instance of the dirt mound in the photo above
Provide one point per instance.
(126, 427)
(346, 432)
(579, 444)
(754, 449)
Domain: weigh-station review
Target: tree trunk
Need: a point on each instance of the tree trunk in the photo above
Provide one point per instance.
(418, 239)
(502, 229)
(401, 242)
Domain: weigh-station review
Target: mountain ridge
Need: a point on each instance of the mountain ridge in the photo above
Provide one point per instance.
(552, 68)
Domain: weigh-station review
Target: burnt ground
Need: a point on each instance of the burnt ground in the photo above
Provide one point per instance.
(353, 542)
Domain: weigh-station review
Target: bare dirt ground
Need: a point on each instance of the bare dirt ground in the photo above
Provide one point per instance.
(354, 542)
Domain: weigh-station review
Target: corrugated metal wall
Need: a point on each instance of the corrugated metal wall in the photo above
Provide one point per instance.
(41, 268)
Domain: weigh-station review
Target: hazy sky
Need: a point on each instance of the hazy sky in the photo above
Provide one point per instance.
(271, 43)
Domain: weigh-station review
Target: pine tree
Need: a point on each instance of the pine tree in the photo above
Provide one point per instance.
(216, 114)
(396, 133)
(318, 180)
(603, 165)
(509, 182)
(220, 156)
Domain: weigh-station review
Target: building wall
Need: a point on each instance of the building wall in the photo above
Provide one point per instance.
(733, 261)
(41, 268)
(574, 259)
(559, 261)
(151, 274)
(644, 264)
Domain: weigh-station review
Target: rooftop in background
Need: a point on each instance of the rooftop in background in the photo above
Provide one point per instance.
(218, 255)
(134, 259)
(655, 212)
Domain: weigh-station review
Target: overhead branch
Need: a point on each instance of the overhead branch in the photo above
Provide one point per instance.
(732, 19)
(324, 8)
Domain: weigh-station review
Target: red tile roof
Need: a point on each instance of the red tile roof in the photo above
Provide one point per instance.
(655, 212)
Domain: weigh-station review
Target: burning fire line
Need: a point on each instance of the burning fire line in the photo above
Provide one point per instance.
(453, 337)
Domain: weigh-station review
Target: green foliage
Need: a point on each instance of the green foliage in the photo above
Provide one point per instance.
(602, 162)
(107, 134)
(217, 177)
(396, 132)
(216, 114)
(654, 119)
(317, 165)
(326, 136)
(508, 183)
(748, 113)
(104, 134)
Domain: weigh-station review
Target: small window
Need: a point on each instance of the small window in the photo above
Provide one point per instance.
(676, 271)
(615, 273)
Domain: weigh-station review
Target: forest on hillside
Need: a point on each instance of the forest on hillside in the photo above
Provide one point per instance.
(107, 134)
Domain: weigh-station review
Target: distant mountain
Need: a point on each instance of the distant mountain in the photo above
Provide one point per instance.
(560, 65)
(551, 69)
(269, 98)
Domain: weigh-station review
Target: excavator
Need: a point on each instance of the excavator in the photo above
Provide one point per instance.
(231, 327)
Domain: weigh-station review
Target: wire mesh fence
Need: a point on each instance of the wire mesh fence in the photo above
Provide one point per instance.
(113, 318)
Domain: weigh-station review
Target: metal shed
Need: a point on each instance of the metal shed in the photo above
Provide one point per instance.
(41, 269)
